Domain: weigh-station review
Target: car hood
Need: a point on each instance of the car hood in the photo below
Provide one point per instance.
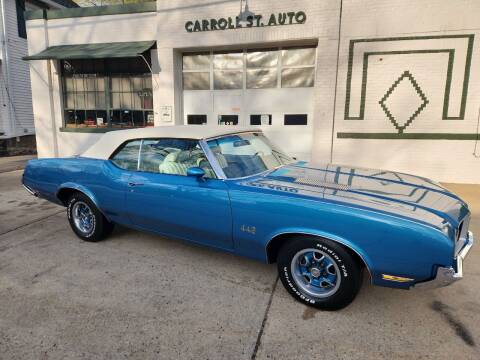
(396, 193)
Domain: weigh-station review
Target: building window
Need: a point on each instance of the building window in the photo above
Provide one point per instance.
(263, 119)
(228, 71)
(107, 93)
(196, 71)
(298, 67)
(227, 119)
(22, 28)
(262, 69)
(196, 119)
(250, 69)
(295, 119)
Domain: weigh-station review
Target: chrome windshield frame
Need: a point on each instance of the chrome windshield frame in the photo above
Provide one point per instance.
(214, 162)
(212, 159)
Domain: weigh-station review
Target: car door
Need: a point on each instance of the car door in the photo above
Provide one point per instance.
(162, 198)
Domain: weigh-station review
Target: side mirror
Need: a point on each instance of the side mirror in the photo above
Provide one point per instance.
(196, 171)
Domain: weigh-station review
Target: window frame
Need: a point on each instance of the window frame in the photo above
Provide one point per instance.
(100, 71)
(279, 67)
(201, 142)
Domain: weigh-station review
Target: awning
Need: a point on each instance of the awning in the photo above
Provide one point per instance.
(93, 51)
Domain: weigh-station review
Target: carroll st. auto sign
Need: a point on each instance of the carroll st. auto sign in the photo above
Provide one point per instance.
(286, 18)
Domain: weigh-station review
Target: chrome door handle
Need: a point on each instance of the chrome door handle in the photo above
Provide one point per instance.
(132, 184)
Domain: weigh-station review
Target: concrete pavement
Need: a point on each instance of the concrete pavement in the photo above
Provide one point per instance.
(142, 296)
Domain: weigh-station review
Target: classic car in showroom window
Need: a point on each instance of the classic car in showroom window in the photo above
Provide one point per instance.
(324, 225)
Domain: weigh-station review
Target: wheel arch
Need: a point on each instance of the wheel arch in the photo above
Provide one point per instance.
(276, 241)
(66, 190)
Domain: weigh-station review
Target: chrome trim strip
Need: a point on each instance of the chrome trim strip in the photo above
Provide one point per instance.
(30, 191)
(212, 160)
(447, 275)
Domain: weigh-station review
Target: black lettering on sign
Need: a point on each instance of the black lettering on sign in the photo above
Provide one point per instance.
(222, 23)
(197, 26)
(300, 17)
(275, 19)
(272, 21)
(205, 25)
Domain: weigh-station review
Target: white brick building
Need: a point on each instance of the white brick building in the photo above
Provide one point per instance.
(16, 115)
(383, 84)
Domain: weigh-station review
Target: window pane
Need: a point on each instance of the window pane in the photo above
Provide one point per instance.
(227, 80)
(147, 102)
(80, 100)
(100, 84)
(127, 157)
(69, 101)
(148, 82)
(90, 84)
(68, 84)
(246, 154)
(116, 100)
(137, 83)
(126, 84)
(228, 61)
(78, 84)
(100, 104)
(126, 101)
(227, 119)
(263, 119)
(295, 119)
(196, 119)
(262, 59)
(172, 156)
(137, 101)
(196, 61)
(196, 81)
(70, 118)
(116, 84)
(261, 78)
(90, 100)
(293, 57)
(298, 77)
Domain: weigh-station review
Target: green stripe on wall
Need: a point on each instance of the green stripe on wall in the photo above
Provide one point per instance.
(409, 136)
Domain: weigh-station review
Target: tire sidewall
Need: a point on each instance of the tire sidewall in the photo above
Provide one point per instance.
(94, 233)
(349, 273)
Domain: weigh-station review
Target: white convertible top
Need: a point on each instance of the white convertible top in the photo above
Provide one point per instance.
(110, 141)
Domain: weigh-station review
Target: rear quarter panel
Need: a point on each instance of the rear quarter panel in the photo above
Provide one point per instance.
(387, 244)
(102, 181)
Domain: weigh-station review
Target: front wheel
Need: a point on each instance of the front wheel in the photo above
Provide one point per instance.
(319, 272)
(87, 222)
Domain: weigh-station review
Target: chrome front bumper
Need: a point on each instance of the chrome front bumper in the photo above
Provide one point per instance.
(446, 276)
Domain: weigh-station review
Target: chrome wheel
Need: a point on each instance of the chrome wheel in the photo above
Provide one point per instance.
(315, 273)
(83, 217)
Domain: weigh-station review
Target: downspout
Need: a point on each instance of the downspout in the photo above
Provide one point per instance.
(6, 63)
(52, 106)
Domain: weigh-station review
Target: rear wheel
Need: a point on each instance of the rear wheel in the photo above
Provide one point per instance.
(319, 272)
(87, 222)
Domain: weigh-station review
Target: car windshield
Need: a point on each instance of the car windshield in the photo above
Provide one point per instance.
(246, 154)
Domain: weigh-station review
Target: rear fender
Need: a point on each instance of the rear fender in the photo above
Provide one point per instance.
(82, 189)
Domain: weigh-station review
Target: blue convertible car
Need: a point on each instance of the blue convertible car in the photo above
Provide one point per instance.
(235, 191)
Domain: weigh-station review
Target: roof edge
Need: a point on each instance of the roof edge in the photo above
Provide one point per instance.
(150, 6)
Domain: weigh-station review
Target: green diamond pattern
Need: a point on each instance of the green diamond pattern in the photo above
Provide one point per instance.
(406, 75)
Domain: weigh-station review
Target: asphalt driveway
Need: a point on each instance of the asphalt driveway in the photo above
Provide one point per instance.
(142, 296)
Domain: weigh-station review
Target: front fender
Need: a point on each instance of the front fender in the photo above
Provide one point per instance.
(323, 234)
